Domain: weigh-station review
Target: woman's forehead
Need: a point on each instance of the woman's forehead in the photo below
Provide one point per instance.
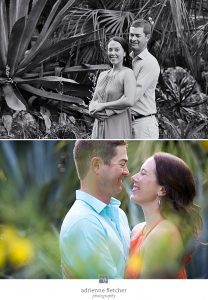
(114, 44)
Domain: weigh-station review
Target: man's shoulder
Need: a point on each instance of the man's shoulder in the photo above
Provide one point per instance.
(151, 58)
(75, 222)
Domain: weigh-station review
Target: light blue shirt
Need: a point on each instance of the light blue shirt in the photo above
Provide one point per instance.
(94, 239)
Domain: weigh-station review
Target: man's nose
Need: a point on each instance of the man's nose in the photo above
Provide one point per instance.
(134, 38)
(126, 171)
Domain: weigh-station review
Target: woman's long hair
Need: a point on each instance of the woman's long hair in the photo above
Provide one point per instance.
(177, 205)
(127, 62)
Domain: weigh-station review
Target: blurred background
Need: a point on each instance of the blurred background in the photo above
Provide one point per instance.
(37, 187)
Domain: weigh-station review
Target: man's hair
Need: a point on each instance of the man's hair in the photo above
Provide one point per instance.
(144, 24)
(85, 150)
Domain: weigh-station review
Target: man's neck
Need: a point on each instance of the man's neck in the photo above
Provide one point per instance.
(93, 191)
(138, 52)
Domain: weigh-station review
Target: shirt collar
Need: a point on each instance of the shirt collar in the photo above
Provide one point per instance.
(140, 55)
(95, 203)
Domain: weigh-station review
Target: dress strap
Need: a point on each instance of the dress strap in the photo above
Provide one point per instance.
(151, 228)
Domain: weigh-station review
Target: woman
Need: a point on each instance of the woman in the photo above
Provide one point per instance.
(160, 247)
(116, 84)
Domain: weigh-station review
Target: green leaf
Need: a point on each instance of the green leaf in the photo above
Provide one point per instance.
(30, 26)
(45, 113)
(15, 41)
(50, 95)
(7, 121)
(12, 98)
(3, 33)
(85, 68)
(45, 79)
(17, 10)
(49, 27)
(51, 51)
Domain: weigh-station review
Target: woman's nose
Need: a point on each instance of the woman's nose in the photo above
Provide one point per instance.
(134, 177)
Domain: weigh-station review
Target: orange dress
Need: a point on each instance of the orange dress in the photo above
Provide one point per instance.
(134, 265)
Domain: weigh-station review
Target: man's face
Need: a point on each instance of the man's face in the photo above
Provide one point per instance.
(112, 175)
(138, 39)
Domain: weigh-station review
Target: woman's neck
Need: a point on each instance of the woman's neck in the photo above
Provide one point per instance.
(117, 67)
(152, 215)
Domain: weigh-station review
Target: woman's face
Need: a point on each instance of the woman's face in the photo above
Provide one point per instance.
(116, 53)
(145, 185)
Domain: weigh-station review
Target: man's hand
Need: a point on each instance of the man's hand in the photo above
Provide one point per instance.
(101, 115)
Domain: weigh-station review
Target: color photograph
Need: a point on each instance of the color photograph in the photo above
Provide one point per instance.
(54, 210)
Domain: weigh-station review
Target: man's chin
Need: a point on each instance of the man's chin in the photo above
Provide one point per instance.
(118, 190)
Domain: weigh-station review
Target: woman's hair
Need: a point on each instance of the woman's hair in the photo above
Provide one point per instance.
(124, 44)
(177, 205)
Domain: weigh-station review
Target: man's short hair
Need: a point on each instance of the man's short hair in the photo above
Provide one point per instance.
(144, 24)
(85, 150)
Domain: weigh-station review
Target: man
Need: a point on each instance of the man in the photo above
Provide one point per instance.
(95, 236)
(146, 70)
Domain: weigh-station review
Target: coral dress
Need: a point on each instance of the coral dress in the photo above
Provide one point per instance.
(134, 266)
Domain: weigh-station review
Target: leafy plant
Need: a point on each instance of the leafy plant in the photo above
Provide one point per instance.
(181, 104)
(22, 60)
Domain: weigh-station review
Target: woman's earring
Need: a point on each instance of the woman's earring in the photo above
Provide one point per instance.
(159, 202)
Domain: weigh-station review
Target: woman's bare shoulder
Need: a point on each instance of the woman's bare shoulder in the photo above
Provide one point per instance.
(166, 230)
(127, 70)
(103, 73)
(137, 228)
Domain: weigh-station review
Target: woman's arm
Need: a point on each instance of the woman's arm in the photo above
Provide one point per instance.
(95, 95)
(127, 100)
(162, 252)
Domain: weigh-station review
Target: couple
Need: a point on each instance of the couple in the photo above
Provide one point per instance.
(125, 98)
(95, 235)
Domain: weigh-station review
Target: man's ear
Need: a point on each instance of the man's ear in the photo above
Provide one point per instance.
(162, 192)
(148, 36)
(95, 164)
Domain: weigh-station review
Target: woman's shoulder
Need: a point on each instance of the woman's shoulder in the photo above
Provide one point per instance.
(128, 74)
(103, 73)
(166, 229)
(128, 70)
(137, 228)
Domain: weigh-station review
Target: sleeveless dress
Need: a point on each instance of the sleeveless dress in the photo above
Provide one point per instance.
(134, 265)
(117, 126)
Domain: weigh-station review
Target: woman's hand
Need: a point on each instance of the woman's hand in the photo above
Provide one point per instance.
(92, 107)
(99, 107)
(95, 107)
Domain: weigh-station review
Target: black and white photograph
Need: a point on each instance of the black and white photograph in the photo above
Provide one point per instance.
(103, 69)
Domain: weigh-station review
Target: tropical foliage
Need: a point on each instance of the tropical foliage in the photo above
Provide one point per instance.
(26, 63)
(37, 187)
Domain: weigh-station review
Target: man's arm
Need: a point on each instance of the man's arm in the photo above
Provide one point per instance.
(148, 73)
(85, 251)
